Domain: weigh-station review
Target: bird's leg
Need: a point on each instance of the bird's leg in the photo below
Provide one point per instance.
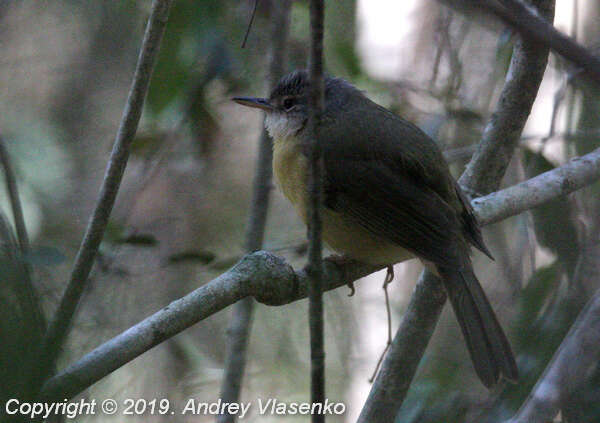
(340, 261)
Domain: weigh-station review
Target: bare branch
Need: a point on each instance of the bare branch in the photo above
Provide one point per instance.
(241, 320)
(271, 281)
(577, 353)
(264, 276)
(84, 261)
(576, 173)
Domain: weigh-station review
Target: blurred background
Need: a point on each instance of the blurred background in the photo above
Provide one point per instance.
(180, 216)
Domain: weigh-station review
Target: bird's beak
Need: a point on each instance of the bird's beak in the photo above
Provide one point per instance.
(259, 103)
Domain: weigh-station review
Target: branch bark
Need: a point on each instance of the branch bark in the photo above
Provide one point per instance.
(60, 324)
(271, 281)
(241, 320)
(580, 171)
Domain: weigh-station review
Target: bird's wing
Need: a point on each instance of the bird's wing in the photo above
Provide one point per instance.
(391, 186)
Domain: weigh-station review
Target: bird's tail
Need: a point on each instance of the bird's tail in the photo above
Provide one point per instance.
(486, 341)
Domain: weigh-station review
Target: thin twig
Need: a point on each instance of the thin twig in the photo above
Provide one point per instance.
(84, 260)
(240, 325)
(250, 23)
(315, 260)
(271, 281)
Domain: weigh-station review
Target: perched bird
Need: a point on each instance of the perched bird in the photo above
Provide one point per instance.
(388, 196)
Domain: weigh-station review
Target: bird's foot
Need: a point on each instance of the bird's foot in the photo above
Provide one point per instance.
(389, 276)
(341, 260)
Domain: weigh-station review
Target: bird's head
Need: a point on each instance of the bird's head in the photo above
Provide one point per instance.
(286, 107)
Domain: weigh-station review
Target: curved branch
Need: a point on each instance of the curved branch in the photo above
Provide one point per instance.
(264, 276)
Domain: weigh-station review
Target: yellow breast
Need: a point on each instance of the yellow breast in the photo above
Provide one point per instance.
(290, 168)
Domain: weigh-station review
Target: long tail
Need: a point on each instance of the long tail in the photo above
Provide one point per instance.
(486, 341)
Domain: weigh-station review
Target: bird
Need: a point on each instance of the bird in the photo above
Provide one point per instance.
(388, 196)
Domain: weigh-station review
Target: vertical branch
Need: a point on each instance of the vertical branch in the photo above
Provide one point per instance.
(60, 324)
(315, 260)
(241, 321)
(483, 174)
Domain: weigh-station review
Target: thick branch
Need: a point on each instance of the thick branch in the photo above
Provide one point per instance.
(238, 331)
(577, 353)
(271, 281)
(261, 275)
(84, 260)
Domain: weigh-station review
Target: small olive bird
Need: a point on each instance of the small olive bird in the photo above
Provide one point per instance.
(388, 196)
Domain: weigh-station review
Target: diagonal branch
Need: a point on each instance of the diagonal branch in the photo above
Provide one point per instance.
(577, 354)
(270, 280)
(580, 171)
(60, 324)
(526, 21)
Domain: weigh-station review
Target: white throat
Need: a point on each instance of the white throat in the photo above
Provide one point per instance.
(280, 126)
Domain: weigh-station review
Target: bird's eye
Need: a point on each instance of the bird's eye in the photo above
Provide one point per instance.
(289, 102)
